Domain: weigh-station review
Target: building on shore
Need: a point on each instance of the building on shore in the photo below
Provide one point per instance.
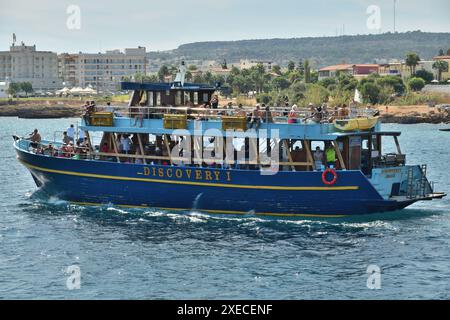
(356, 70)
(102, 71)
(248, 63)
(401, 69)
(25, 64)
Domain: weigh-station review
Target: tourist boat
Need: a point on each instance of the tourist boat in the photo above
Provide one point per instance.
(172, 165)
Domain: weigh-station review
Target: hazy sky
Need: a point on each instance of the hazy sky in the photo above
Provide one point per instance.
(161, 25)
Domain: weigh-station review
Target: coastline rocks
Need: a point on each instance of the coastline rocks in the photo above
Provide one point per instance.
(416, 118)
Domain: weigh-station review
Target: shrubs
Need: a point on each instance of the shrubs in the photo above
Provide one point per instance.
(416, 84)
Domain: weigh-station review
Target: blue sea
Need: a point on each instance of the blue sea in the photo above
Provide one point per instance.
(152, 254)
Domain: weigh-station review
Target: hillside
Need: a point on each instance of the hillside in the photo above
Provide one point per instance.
(321, 51)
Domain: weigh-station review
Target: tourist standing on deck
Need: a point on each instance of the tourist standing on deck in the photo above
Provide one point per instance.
(292, 117)
(256, 117)
(81, 136)
(66, 139)
(35, 138)
(330, 155)
(126, 142)
(71, 133)
(318, 158)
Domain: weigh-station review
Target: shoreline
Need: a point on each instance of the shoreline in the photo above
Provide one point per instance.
(73, 108)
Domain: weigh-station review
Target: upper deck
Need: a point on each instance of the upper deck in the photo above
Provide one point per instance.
(162, 108)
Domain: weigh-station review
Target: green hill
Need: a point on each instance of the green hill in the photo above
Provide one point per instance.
(321, 51)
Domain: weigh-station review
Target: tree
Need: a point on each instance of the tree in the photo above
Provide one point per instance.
(441, 52)
(163, 72)
(448, 52)
(307, 69)
(26, 87)
(412, 60)
(291, 66)
(13, 88)
(440, 66)
(280, 83)
(416, 84)
(370, 92)
(301, 68)
(427, 76)
(276, 69)
(394, 82)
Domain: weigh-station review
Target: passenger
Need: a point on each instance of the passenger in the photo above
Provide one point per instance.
(35, 138)
(241, 111)
(126, 142)
(88, 111)
(109, 108)
(66, 139)
(81, 136)
(229, 109)
(119, 143)
(330, 155)
(138, 160)
(318, 158)
(215, 102)
(286, 109)
(256, 117)
(49, 150)
(77, 154)
(71, 133)
(268, 118)
(139, 116)
(293, 117)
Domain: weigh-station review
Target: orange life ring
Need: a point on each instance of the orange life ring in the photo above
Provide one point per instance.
(324, 177)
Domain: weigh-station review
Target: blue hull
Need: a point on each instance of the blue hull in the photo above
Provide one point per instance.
(209, 190)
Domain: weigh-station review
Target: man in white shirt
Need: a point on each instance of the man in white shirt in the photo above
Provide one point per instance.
(71, 132)
(125, 141)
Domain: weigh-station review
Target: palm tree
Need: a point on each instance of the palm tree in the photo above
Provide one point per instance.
(440, 66)
(412, 60)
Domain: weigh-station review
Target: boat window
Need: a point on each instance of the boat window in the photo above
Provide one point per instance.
(150, 98)
(187, 98)
(297, 146)
(315, 144)
(196, 98)
(158, 98)
(178, 98)
(205, 97)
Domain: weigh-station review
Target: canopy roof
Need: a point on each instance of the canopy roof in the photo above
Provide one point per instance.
(166, 86)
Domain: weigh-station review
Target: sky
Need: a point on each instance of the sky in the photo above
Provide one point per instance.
(93, 26)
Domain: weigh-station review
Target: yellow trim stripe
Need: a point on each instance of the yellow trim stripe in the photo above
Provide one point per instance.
(205, 184)
(225, 212)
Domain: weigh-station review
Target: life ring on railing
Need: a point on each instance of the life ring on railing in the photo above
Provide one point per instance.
(324, 177)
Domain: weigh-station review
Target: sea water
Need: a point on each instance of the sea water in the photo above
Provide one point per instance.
(51, 249)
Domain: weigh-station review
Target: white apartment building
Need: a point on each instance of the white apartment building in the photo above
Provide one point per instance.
(102, 71)
(24, 64)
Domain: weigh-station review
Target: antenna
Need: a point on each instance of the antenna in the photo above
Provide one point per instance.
(395, 15)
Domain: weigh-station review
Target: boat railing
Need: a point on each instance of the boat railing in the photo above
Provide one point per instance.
(87, 152)
(272, 115)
